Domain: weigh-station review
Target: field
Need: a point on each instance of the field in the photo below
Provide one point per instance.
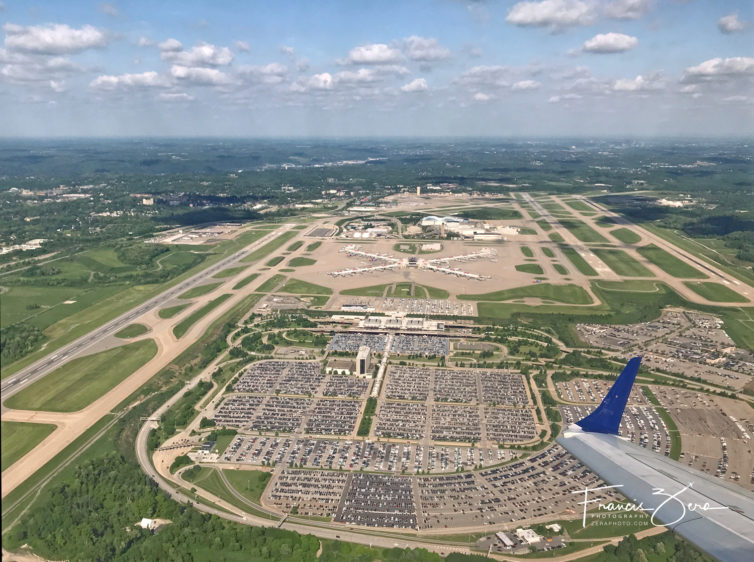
(270, 247)
(248, 483)
(715, 292)
(580, 206)
(229, 272)
(245, 281)
(171, 311)
(405, 247)
(583, 231)
(81, 381)
(300, 262)
(20, 438)
(669, 263)
(560, 269)
(183, 327)
(274, 261)
(622, 264)
(132, 331)
(298, 287)
(556, 237)
(313, 246)
(548, 252)
(532, 268)
(526, 251)
(568, 294)
(487, 214)
(199, 291)
(271, 283)
(578, 262)
(296, 245)
(625, 235)
(544, 225)
(371, 291)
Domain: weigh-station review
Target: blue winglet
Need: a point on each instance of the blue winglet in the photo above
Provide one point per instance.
(606, 418)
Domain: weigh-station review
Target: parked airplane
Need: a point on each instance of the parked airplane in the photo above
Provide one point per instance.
(716, 516)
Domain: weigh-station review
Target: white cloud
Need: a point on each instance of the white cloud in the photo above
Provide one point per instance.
(20, 67)
(731, 24)
(362, 75)
(626, 9)
(242, 46)
(144, 42)
(272, 73)
(322, 81)
(109, 9)
(129, 81)
(175, 96)
(486, 75)
(170, 45)
(425, 49)
(555, 14)
(203, 54)
(524, 85)
(481, 96)
(289, 51)
(416, 85)
(375, 53)
(564, 97)
(610, 43)
(57, 86)
(199, 75)
(633, 84)
(720, 69)
(302, 65)
(53, 39)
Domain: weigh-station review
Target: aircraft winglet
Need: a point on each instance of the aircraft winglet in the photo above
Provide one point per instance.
(606, 418)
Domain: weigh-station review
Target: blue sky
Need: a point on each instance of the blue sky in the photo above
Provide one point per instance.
(377, 68)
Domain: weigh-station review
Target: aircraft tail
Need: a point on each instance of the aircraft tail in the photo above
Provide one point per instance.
(606, 418)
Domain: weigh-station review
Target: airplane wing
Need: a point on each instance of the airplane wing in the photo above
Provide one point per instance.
(716, 516)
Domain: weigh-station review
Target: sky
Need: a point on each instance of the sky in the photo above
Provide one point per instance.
(414, 68)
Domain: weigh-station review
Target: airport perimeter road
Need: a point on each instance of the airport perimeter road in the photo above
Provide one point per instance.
(39, 369)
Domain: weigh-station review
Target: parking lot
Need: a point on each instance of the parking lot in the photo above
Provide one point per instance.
(340, 454)
(593, 391)
(539, 485)
(351, 341)
(428, 346)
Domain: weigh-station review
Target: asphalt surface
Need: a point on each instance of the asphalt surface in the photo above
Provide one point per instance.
(79, 347)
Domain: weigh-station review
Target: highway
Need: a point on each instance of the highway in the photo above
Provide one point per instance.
(44, 366)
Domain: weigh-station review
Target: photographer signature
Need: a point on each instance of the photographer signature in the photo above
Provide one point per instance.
(669, 500)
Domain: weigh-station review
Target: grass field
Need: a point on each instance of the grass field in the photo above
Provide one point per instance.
(528, 252)
(544, 225)
(20, 438)
(548, 252)
(405, 247)
(582, 231)
(560, 269)
(625, 235)
(669, 263)
(486, 213)
(371, 291)
(199, 291)
(249, 483)
(622, 264)
(230, 272)
(296, 245)
(132, 331)
(271, 283)
(301, 262)
(532, 268)
(171, 311)
(245, 281)
(578, 262)
(183, 326)
(568, 294)
(580, 206)
(632, 286)
(274, 261)
(210, 480)
(81, 381)
(554, 207)
(313, 246)
(556, 237)
(270, 247)
(298, 287)
(715, 292)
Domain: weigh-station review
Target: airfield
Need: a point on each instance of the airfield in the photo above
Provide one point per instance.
(558, 255)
